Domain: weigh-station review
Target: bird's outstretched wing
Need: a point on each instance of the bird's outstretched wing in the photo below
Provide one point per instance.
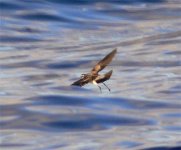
(81, 82)
(104, 62)
(104, 77)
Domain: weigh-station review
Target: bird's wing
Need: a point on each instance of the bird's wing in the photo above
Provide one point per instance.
(81, 82)
(104, 62)
(104, 77)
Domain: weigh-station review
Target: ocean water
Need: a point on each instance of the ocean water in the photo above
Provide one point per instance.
(45, 45)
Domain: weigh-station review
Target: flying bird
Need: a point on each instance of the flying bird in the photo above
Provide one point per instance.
(94, 76)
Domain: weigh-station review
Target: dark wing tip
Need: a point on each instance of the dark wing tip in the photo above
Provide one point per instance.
(105, 77)
(111, 54)
(80, 82)
(114, 50)
(108, 74)
(77, 83)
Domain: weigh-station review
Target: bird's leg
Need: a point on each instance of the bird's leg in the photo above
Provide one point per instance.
(100, 88)
(95, 83)
(106, 86)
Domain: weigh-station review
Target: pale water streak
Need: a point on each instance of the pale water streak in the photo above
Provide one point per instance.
(47, 44)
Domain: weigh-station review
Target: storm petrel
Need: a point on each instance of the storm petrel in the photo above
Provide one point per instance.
(93, 76)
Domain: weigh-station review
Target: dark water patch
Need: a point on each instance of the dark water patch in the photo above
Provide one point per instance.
(143, 52)
(82, 26)
(12, 145)
(165, 64)
(15, 39)
(39, 77)
(163, 148)
(165, 42)
(41, 80)
(15, 57)
(173, 90)
(42, 84)
(173, 128)
(95, 122)
(177, 87)
(43, 17)
(33, 120)
(10, 110)
(106, 102)
(170, 91)
(173, 52)
(173, 115)
(60, 100)
(130, 69)
(25, 64)
(67, 64)
(27, 30)
(25, 120)
(83, 2)
(5, 5)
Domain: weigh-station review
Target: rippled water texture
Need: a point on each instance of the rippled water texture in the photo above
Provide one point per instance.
(47, 44)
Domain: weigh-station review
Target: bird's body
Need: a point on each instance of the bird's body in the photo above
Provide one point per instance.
(93, 76)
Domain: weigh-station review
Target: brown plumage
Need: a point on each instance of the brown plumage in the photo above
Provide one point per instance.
(93, 76)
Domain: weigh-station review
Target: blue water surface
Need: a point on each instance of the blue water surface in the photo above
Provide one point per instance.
(45, 46)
